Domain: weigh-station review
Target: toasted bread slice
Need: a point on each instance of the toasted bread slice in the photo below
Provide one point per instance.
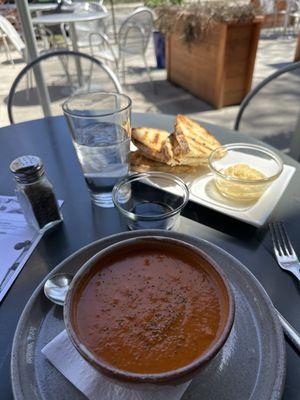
(140, 163)
(154, 144)
(162, 156)
(192, 139)
(177, 147)
(150, 137)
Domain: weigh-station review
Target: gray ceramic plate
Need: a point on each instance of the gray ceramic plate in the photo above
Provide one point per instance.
(251, 365)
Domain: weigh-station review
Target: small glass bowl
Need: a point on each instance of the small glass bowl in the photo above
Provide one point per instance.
(150, 200)
(241, 188)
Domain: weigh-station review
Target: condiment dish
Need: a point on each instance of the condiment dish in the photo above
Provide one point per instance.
(243, 171)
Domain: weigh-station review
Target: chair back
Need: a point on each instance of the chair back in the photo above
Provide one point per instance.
(270, 111)
(135, 32)
(84, 29)
(12, 34)
(64, 73)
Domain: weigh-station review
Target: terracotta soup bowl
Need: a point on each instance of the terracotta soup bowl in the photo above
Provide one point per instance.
(149, 309)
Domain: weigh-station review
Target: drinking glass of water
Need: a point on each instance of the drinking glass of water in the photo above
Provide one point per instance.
(100, 126)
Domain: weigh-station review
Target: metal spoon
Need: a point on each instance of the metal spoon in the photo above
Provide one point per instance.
(56, 287)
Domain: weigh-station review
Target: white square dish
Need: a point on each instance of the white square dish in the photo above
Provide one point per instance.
(204, 192)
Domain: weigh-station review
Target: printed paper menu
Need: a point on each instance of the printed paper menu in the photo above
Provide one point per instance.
(17, 242)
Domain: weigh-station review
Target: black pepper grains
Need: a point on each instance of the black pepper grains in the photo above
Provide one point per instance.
(35, 193)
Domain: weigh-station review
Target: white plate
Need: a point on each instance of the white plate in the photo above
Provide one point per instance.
(203, 191)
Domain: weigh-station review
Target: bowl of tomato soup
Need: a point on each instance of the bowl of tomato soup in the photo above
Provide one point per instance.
(149, 309)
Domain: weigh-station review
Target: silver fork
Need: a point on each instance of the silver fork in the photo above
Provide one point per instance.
(283, 249)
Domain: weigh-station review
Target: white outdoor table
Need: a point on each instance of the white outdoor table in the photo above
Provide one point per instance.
(70, 18)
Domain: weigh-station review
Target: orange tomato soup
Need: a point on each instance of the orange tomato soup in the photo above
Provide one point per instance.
(148, 311)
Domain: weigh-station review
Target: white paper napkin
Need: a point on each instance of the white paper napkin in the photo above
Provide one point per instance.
(62, 354)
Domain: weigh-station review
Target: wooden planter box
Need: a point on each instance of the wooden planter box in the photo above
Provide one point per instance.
(218, 68)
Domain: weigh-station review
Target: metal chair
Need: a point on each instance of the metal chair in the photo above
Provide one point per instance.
(84, 29)
(64, 73)
(10, 33)
(294, 13)
(270, 112)
(133, 39)
(3, 41)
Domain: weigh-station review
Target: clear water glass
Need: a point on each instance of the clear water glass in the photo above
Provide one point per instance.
(100, 125)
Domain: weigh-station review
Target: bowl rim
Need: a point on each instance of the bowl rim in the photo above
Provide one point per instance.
(139, 175)
(168, 376)
(256, 147)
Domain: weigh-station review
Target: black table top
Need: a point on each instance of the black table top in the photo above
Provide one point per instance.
(83, 223)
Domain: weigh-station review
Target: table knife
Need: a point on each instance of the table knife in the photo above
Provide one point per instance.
(290, 332)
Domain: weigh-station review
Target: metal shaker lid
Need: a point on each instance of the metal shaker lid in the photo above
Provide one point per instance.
(27, 169)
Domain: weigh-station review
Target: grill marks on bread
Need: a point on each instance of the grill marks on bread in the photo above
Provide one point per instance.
(153, 143)
(190, 144)
(150, 137)
(193, 139)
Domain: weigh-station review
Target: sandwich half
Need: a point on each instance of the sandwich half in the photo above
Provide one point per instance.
(192, 142)
(154, 144)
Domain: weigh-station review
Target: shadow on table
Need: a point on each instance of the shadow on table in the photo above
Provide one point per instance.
(272, 113)
(220, 222)
(280, 140)
(270, 34)
(15, 60)
(140, 70)
(279, 65)
(29, 97)
(169, 98)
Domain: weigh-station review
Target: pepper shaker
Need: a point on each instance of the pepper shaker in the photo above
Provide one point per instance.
(35, 193)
